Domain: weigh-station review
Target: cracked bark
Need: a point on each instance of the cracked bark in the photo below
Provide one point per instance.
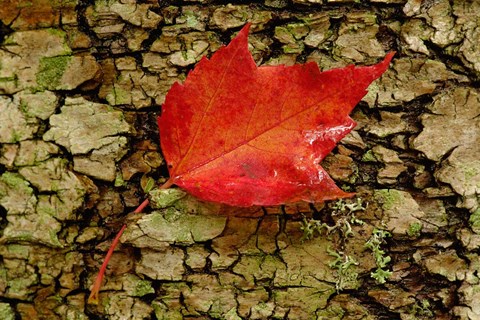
(81, 83)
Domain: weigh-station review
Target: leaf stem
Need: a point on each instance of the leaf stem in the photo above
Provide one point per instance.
(93, 298)
(167, 184)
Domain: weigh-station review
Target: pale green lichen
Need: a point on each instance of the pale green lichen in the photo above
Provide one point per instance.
(191, 19)
(37, 105)
(472, 173)
(291, 36)
(345, 211)
(13, 79)
(347, 276)
(421, 308)
(381, 260)
(15, 126)
(171, 214)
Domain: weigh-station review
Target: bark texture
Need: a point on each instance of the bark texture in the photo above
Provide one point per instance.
(81, 84)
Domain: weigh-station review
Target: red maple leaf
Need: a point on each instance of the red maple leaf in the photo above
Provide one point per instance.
(245, 135)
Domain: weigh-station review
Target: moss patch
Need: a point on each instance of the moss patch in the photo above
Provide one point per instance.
(6, 312)
(51, 71)
(414, 229)
(388, 198)
(15, 182)
(475, 221)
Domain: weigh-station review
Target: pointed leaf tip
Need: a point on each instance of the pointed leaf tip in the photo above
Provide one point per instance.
(388, 58)
(383, 65)
(246, 28)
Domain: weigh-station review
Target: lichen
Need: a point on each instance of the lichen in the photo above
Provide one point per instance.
(347, 275)
(381, 274)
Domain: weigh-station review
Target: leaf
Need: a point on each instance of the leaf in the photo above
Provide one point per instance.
(245, 135)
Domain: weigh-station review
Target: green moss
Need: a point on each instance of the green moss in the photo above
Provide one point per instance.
(54, 239)
(13, 78)
(104, 3)
(9, 41)
(119, 182)
(163, 198)
(471, 171)
(51, 71)
(389, 198)
(56, 32)
(6, 312)
(46, 208)
(19, 285)
(16, 182)
(19, 250)
(331, 312)
(3, 274)
(142, 288)
(414, 229)
(191, 19)
(63, 35)
(475, 221)
(25, 236)
(163, 313)
(16, 137)
(293, 48)
(119, 96)
(232, 314)
(369, 156)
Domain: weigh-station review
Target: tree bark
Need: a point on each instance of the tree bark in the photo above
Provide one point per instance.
(81, 85)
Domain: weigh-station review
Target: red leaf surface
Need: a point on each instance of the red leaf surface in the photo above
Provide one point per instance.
(245, 135)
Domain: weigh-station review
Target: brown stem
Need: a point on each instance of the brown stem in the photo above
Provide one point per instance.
(93, 298)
